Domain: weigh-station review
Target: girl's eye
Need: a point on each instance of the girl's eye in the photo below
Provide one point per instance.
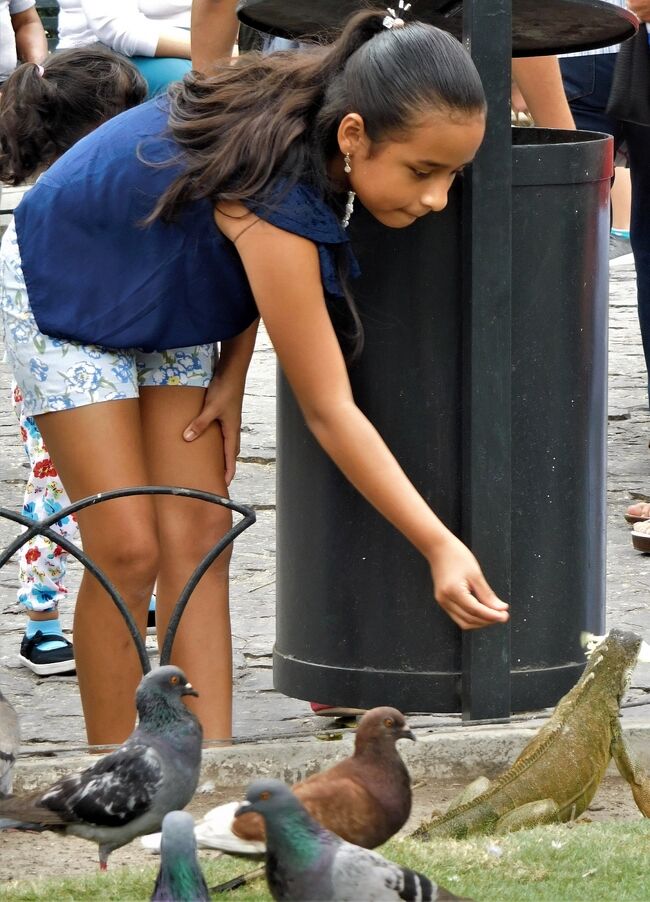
(420, 175)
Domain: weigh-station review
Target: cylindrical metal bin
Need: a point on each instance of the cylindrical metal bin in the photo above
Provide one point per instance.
(356, 620)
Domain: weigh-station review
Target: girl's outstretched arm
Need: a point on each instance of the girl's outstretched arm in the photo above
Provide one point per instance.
(284, 274)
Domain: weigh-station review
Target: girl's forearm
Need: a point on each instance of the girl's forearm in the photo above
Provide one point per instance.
(174, 42)
(214, 32)
(236, 353)
(356, 447)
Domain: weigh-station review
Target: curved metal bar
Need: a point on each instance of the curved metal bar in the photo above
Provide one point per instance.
(88, 564)
(42, 527)
(193, 581)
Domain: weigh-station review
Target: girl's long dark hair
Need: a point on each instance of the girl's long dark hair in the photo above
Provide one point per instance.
(264, 117)
(42, 116)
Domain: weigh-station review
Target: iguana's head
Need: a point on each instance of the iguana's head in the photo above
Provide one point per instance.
(613, 658)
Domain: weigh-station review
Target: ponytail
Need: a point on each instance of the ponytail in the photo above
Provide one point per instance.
(45, 110)
(265, 120)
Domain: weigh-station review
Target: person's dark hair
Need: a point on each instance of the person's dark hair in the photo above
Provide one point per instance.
(276, 116)
(42, 116)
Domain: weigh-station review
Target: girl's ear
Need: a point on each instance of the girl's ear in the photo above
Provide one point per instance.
(351, 133)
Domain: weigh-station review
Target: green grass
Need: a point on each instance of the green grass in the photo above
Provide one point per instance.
(585, 863)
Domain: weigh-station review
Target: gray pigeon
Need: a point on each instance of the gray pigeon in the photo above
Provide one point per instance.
(306, 861)
(9, 742)
(180, 878)
(128, 792)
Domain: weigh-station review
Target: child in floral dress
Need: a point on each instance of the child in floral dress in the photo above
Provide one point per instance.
(43, 112)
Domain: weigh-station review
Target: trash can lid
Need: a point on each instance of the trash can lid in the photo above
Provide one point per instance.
(538, 28)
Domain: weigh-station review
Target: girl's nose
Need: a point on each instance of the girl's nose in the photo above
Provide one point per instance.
(436, 198)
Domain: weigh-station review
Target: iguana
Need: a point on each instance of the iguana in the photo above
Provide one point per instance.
(557, 774)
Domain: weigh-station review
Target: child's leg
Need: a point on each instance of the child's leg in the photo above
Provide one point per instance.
(188, 530)
(42, 563)
(97, 448)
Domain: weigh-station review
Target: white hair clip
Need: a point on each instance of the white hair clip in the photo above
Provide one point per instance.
(394, 19)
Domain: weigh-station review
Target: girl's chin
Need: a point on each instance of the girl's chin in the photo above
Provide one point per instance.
(395, 219)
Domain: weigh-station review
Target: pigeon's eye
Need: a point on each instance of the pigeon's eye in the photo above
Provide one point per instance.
(174, 680)
(388, 722)
(264, 796)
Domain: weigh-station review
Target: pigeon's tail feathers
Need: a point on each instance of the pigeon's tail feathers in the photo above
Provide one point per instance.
(26, 810)
(6, 823)
(215, 831)
(362, 874)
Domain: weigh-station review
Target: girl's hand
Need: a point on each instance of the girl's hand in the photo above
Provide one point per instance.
(223, 403)
(460, 587)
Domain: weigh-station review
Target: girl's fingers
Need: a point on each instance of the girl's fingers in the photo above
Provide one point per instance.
(198, 425)
(230, 451)
(484, 594)
(462, 605)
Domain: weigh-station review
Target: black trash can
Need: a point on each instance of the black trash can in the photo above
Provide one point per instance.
(356, 620)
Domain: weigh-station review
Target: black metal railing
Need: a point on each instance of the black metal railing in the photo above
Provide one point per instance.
(44, 528)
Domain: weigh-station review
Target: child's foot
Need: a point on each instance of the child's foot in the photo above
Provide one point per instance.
(47, 653)
(335, 710)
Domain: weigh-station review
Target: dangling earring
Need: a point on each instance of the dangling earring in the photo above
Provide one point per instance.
(349, 207)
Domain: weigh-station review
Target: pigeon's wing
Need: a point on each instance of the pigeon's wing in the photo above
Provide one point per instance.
(111, 793)
(346, 808)
(359, 874)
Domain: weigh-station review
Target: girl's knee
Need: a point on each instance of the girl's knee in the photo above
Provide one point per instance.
(194, 539)
(130, 560)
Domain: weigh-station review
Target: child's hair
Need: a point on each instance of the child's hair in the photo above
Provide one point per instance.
(44, 111)
(276, 116)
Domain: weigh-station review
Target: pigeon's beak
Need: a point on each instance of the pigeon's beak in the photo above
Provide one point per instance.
(244, 808)
(407, 733)
(188, 689)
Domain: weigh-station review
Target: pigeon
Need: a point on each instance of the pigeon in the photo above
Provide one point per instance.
(364, 799)
(128, 792)
(306, 861)
(180, 878)
(9, 742)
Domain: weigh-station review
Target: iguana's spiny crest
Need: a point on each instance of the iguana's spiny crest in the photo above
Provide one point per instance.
(619, 651)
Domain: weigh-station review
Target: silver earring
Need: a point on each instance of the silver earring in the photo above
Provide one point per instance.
(349, 207)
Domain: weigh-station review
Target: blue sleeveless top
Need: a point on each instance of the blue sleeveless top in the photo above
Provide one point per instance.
(95, 275)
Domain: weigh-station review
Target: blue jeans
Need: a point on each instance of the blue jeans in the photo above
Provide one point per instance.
(587, 83)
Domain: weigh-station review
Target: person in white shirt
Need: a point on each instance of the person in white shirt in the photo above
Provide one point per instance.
(155, 34)
(21, 35)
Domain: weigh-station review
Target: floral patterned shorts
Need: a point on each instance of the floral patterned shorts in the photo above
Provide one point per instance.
(55, 374)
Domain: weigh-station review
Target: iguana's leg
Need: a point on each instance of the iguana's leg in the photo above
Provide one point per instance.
(532, 814)
(473, 790)
(631, 770)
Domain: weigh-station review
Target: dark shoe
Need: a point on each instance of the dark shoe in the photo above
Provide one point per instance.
(50, 661)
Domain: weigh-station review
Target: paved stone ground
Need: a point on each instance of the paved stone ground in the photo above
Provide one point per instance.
(49, 707)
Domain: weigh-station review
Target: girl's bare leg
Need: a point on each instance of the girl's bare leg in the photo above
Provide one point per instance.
(97, 448)
(187, 530)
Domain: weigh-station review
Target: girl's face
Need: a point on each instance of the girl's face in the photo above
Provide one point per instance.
(400, 180)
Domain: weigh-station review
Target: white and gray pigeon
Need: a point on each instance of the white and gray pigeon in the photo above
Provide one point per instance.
(180, 878)
(128, 792)
(9, 742)
(306, 861)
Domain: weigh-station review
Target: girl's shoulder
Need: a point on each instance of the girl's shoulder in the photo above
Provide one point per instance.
(301, 209)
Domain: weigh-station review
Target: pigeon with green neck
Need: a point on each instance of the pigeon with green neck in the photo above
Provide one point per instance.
(306, 861)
